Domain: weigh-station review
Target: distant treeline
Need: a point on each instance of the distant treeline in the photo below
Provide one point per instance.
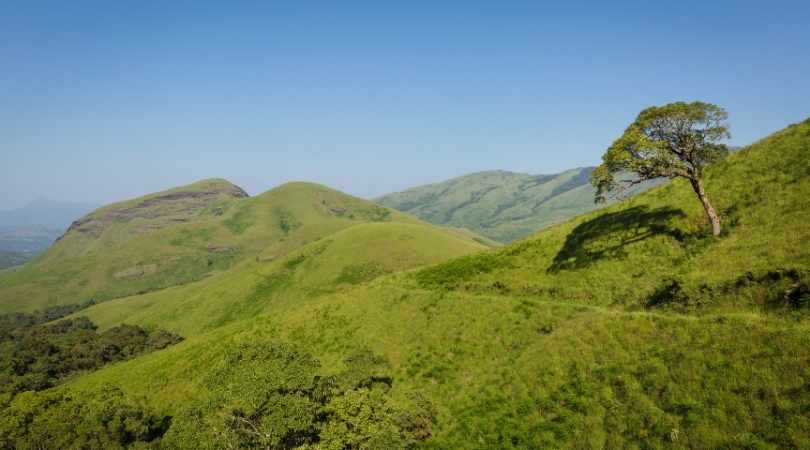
(37, 355)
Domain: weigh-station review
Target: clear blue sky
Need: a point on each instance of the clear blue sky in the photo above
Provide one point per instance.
(105, 100)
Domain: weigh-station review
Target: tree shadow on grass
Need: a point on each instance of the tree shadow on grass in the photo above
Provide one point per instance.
(607, 235)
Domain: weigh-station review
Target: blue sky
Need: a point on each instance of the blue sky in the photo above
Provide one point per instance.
(101, 101)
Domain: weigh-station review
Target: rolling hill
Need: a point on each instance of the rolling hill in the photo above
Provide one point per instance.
(627, 327)
(504, 206)
(185, 234)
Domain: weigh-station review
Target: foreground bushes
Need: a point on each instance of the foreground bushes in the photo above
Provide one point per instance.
(34, 357)
(272, 397)
(102, 419)
(258, 397)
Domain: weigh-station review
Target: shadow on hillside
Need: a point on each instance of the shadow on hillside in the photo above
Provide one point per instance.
(607, 235)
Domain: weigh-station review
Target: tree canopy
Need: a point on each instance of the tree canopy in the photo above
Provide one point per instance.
(677, 140)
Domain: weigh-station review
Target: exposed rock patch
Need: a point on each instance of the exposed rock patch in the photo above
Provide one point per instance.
(136, 271)
(159, 211)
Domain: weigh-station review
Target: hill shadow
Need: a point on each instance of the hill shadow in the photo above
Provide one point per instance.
(607, 235)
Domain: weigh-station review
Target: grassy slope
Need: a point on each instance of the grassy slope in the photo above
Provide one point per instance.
(351, 256)
(503, 206)
(143, 245)
(551, 343)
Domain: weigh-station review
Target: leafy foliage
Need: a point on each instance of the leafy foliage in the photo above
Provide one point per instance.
(12, 322)
(677, 140)
(103, 418)
(674, 140)
(37, 356)
(271, 396)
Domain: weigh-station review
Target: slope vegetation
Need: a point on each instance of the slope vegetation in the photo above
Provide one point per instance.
(336, 263)
(501, 205)
(179, 236)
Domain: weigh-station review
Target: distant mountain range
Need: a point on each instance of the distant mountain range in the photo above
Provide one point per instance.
(45, 213)
(500, 205)
(27, 231)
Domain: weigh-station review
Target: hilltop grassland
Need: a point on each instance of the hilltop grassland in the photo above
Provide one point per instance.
(630, 327)
(183, 235)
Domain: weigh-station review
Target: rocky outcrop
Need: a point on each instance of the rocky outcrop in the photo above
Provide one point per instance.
(157, 211)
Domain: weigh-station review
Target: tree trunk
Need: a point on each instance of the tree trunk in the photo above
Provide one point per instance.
(697, 185)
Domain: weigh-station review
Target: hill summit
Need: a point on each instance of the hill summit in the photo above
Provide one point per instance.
(159, 210)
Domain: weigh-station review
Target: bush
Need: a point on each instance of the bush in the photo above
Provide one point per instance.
(104, 418)
(272, 396)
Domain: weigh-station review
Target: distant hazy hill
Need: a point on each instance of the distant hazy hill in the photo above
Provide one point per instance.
(27, 231)
(32, 238)
(185, 234)
(18, 244)
(501, 205)
(45, 213)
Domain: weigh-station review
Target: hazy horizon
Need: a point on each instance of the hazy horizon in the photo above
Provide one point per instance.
(103, 102)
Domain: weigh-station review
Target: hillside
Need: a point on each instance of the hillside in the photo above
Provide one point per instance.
(179, 236)
(628, 327)
(336, 263)
(504, 206)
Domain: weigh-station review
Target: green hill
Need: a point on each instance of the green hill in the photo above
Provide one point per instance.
(501, 205)
(182, 235)
(628, 327)
(336, 263)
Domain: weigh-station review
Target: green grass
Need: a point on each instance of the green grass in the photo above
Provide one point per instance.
(629, 327)
(357, 254)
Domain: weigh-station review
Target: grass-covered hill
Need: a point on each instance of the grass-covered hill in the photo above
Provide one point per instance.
(185, 234)
(336, 263)
(628, 327)
(501, 205)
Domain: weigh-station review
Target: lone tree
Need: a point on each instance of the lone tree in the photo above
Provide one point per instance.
(674, 140)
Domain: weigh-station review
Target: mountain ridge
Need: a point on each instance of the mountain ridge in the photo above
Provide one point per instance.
(499, 204)
(184, 234)
(502, 205)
